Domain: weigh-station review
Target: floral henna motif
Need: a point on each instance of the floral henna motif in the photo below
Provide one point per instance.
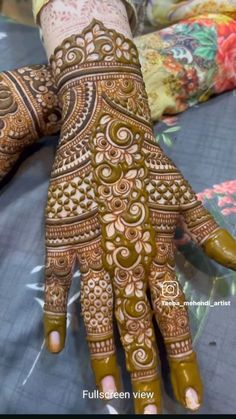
(28, 109)
(101, 140)
(170, 196)
(168, 303)
(58, 272)
(109, 179)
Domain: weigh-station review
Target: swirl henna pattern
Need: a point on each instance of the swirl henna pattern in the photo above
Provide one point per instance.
(105, 119)
(101, 143)
(28, 110)
(108, 179)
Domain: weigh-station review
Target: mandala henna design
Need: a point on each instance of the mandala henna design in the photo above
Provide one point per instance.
(28, 110)
(109, 178)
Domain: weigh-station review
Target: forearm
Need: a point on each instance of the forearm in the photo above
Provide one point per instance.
(60, 19)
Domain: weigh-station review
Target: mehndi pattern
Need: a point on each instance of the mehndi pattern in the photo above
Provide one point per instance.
(29, 109)
(109, 180)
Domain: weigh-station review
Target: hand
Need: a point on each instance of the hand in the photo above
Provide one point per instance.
(108, 178)
(28, 110)
(48, 120)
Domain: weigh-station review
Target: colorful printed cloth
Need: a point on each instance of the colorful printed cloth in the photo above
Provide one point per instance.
(166, 12)
(188, 62)
(185, 63)
(201, 141)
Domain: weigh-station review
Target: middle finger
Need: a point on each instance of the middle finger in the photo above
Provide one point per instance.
(134, 318)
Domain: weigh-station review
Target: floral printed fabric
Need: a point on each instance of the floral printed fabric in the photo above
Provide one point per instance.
(188, 62)
(225, 193)
(185, 63)
(166, 12)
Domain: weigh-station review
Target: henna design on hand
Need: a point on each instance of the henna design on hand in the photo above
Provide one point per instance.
(101, 143)
(102, 113)
(28, 110)
(107, 168)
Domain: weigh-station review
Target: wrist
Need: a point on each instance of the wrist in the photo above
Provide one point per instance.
(60, 19)
(96, 52)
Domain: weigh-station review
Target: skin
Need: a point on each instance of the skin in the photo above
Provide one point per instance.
(181, 367)
(152, 276)
(61, 18)
(220, 247)
(23, 122)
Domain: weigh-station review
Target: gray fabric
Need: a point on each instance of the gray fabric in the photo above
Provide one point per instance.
(34, 381)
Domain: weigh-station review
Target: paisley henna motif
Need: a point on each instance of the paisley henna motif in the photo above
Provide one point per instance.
(109, 179)
(107, 169)
(28, 110)
(101, 141)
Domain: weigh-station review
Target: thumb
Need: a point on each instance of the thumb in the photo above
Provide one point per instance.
(221, 247)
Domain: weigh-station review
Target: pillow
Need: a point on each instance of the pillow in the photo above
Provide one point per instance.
(188, 62)
(166, 12)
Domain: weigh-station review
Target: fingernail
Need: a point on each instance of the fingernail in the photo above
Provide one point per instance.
(54, 342)
(191, 398)
(108, 386)
(151, 409)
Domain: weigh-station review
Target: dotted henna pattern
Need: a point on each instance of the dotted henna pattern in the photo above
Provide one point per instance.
(28, 109)
(114, 202)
